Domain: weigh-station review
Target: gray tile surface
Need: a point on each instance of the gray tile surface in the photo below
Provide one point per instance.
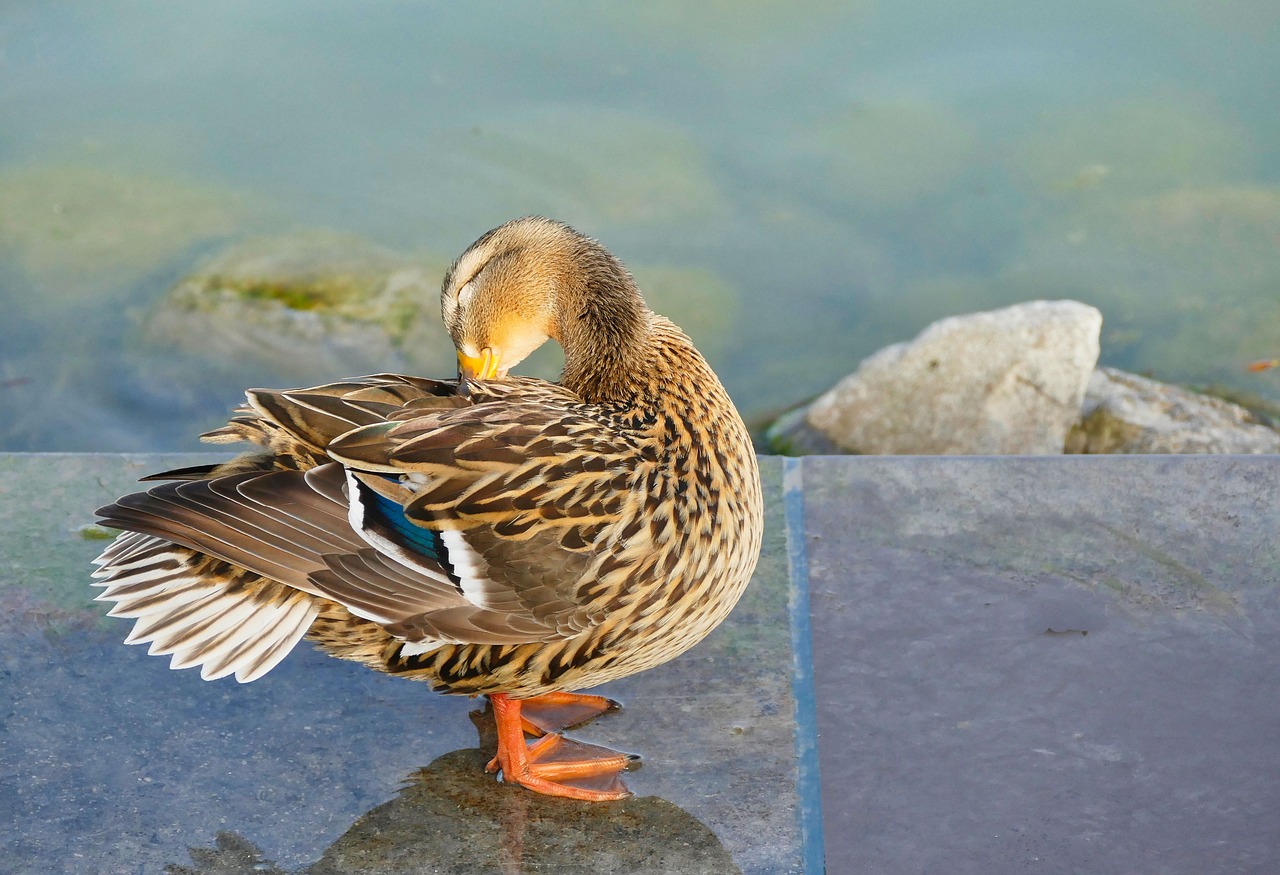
(113, 763)
(1052, 665)
(1047, 665)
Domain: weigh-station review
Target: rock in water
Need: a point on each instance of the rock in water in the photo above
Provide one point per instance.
(1007, 381)
(1125, 413)
(307, 305)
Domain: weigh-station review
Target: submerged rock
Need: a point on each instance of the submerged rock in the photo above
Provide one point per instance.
(1131, 147)
(309, 304)
(1002, 382)
(1125, 413)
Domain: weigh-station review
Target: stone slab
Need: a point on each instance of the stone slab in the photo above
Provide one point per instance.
(111, 762)
(1047, 665)
(999, 665)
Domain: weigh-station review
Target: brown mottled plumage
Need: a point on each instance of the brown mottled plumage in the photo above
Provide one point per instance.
(491, 535)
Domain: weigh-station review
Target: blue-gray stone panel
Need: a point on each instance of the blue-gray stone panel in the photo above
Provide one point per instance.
(1047, 664)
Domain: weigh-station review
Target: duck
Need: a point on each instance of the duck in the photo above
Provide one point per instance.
(489, 534)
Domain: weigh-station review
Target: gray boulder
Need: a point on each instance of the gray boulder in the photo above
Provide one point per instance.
(1007, 381)
(1125, 413)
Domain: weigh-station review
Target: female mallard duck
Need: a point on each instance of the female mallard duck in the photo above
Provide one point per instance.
(492, 535)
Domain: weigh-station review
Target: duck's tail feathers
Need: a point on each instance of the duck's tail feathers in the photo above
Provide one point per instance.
(203, 611)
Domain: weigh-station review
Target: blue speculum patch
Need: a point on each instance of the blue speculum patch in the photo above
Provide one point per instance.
(421, 540)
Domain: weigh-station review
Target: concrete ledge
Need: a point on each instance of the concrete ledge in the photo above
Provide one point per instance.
(1059, 664)
(117, 763)
(945, 664)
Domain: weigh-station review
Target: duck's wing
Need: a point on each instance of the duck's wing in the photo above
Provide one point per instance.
(295, 425)
(199, 609)
(449, 524)
(525, 504)
(295, 528)
(279, 524)
(319, 414)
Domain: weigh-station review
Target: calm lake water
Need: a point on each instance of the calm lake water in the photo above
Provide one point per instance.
(830, 177)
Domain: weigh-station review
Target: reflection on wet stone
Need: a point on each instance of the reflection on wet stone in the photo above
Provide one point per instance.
(451, 817)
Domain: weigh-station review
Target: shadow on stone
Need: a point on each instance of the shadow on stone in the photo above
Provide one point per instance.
(452, 817)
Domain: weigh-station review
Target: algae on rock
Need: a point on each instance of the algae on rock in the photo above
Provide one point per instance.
(316, 304)
(309, 305)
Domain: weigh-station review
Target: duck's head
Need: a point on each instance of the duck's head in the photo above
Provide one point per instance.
(535, 279)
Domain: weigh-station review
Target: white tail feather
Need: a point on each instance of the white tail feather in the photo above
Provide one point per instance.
(222, 625)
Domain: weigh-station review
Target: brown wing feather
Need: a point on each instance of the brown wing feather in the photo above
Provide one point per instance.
(537, 492)
(216, 518)
(522, 483)
(321, 413)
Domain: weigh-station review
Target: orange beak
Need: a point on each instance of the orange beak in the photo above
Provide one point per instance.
(485, 366)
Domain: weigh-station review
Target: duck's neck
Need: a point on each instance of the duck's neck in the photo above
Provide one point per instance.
(604, 327)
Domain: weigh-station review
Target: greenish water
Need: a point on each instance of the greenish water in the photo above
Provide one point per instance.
(836, 174)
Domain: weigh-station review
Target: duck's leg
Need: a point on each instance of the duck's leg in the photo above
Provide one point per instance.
(552, 712)
(555, 765)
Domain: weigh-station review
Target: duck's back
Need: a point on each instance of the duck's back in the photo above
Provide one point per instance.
(505, 537)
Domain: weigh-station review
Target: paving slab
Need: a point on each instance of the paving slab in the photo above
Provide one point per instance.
(1046, 664)
(944, 665)
(111, 762)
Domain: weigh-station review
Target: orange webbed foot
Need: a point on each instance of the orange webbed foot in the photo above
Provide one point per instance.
(555, 765)
(552, 712)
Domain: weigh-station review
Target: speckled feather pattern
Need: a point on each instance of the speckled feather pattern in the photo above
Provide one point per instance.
(662, 568)
(573, 533)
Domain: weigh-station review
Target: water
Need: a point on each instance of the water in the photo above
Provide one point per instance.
(840, 174)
